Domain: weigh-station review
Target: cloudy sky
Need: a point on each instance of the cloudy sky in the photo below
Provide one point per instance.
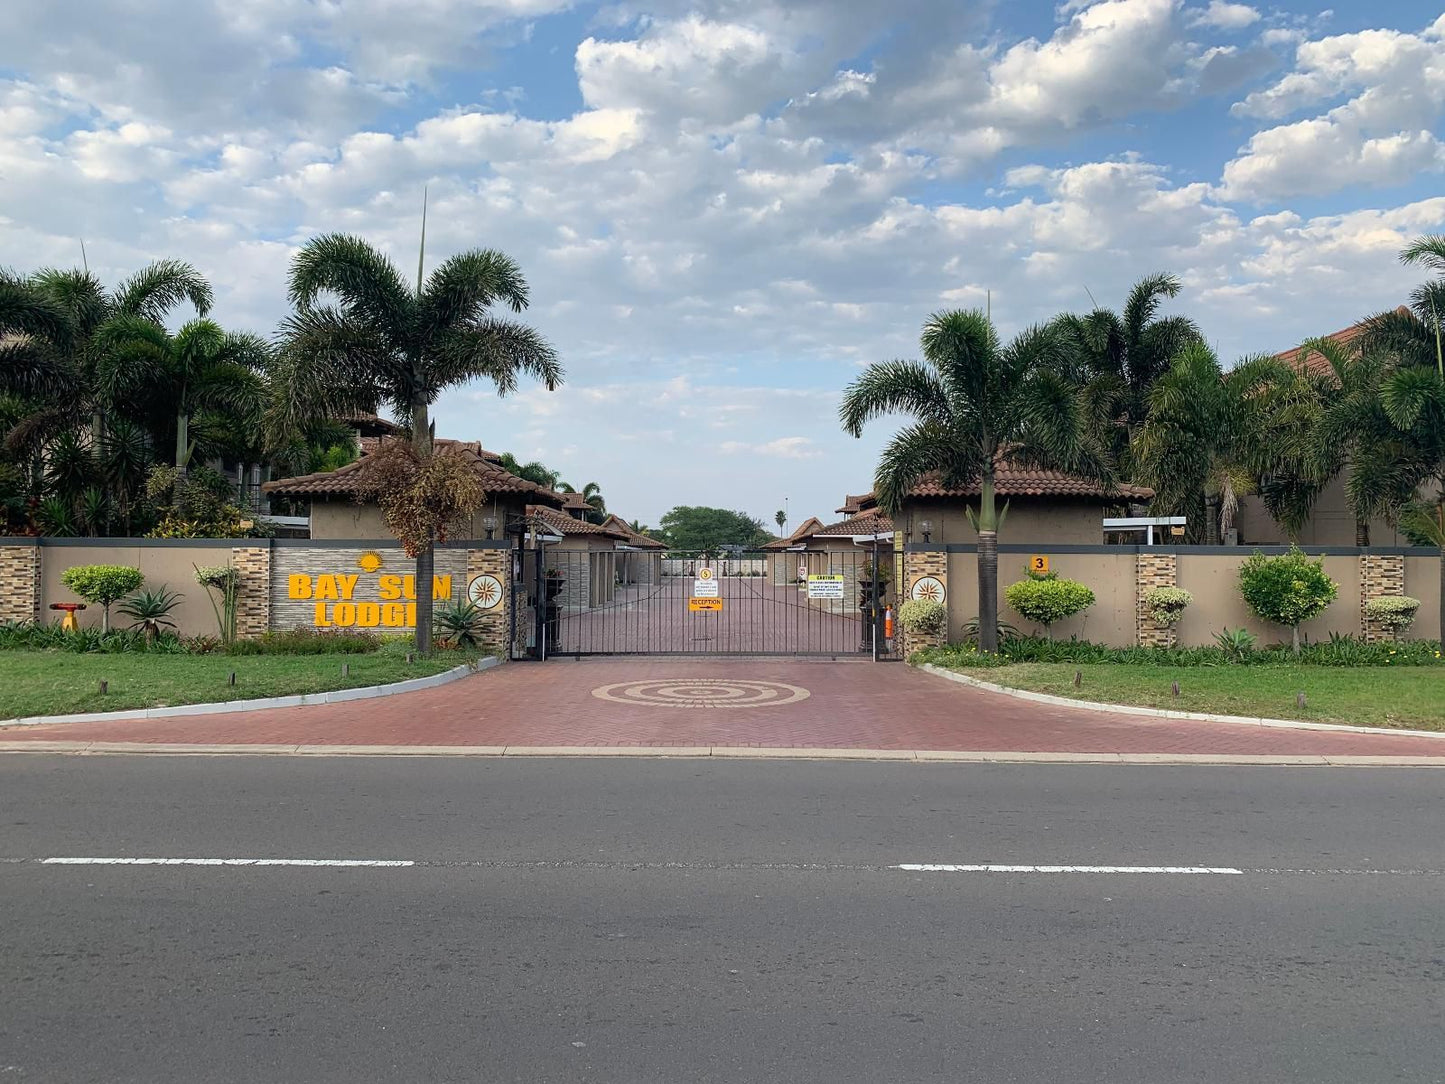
(725, 207)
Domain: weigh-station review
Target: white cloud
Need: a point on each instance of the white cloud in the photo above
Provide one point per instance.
(1381, 135)
(1222, 15)
(781, 448)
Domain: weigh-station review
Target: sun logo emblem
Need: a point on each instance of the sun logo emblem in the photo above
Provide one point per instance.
(370, 561)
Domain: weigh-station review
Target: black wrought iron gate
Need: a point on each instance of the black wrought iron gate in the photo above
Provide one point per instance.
(837, 603)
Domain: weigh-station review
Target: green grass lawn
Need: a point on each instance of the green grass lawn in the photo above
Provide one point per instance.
(1383, 696)
(59, 682)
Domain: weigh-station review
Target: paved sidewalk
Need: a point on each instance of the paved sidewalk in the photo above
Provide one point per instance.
(767, 703)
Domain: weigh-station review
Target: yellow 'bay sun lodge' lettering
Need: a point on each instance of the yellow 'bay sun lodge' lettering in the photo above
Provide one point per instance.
(337, 606)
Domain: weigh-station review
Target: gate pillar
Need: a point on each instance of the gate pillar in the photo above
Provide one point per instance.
(489, 587)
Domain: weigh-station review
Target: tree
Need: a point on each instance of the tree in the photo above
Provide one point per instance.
(781, 519)
(1209, 435)
(706, 530)
(380, 342)
(200, 372)
(975, 403)
(102, 584)
(536, 472)
(1286, 590)
(1123, 354)
(592, 494)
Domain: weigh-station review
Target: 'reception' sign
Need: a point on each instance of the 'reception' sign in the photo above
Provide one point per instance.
(394, 606)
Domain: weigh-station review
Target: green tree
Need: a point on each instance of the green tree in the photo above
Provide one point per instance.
(359, 338)
(706, 530)
(103, 585)
(781, 519)
(198, 374)
(1286, 590)
(976, 402)
(592, 494)
(1210, 434)
(1122, 354)
(536, 472)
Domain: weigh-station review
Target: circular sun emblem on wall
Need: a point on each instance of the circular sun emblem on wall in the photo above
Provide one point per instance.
(929, 589)
(370, 561)
(484, 591)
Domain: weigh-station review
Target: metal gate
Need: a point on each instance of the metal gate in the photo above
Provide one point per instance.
(572, 602)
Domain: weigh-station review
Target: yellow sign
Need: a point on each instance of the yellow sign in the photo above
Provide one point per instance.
(370, 561)
(1039, 563)
(337, 606)
(704, 573)
(698, 605)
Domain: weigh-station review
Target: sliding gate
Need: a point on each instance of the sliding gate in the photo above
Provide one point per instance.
(639, 602)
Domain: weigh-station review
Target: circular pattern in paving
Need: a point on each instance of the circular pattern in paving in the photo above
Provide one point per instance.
(702, 693)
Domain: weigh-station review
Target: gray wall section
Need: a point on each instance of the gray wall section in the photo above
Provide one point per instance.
(287, 612)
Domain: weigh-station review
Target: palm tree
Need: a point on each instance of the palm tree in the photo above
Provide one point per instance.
(1123, 354)
(976, 402)
(1209, 435)
(536, 472)
(381, 342)
(200, 373)
(781, 519)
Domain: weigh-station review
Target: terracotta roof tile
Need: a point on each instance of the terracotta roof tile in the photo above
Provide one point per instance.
(863, 524)
(563, 524)
(803, 530)
(1317, 364)
(853, 505)
(344, 480)
(620, 526)
(1015, 481)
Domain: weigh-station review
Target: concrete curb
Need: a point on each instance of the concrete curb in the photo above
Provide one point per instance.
(1162, 713)
(225, 707)
(721, 752)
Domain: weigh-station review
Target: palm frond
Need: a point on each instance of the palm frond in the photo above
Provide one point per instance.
(1143, 302)
(914, 451)
(367, 284)
(1428, 250)
(154, 290)
(463, 287)
(893, 387)
(497, 350)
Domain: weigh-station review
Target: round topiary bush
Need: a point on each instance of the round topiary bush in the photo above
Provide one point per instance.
(1286, 590)
(1395, 612)
(1049, 600)
(1166, 605)
(924, 617)
(102, 585)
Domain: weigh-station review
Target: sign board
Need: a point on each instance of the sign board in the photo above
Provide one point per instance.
(705, 586)
(1177, 532)
(705, 605)
(1039, 563)
(825, 586)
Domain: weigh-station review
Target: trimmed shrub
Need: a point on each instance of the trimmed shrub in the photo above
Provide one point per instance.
(1286, 590)
(1045, 601)
(299, 641)
(102, 585)
(1166, 605)
(924, 617)
(1395, 612)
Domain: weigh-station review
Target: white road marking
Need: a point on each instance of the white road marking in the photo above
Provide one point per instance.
(341, 862)
(993, 867)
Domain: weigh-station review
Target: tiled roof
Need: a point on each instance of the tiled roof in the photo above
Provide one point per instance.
(632, 538)
(575, 501)
(370, 444)
(1317, 364)
(853, 505)
(344, 480)
(863, 524)
(805, 529)
(563, 524)
(1015, 481)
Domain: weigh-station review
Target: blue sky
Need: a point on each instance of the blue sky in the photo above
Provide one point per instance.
(726, 207)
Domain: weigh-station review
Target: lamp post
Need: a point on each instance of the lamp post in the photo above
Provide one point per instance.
(926, 526)
(490, 523)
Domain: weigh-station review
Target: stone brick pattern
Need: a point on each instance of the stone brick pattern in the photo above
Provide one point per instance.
(496, 623)
(19, 583)
(289, 613)
(253, 601)
(1153, 570)
(916, 566)
(1380, 575)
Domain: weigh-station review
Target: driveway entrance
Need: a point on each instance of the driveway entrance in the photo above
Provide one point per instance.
(575, 602)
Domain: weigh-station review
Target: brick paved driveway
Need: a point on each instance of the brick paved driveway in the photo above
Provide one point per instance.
(854, 704)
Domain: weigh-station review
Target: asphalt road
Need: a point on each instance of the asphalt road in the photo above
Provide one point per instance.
(647, 920)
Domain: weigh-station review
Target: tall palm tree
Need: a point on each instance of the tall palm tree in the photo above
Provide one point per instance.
(975, 402)
(360, 337)
(1122, 354)
(536, 471)
(781, 519)
(1210, 434)
(199, 374)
